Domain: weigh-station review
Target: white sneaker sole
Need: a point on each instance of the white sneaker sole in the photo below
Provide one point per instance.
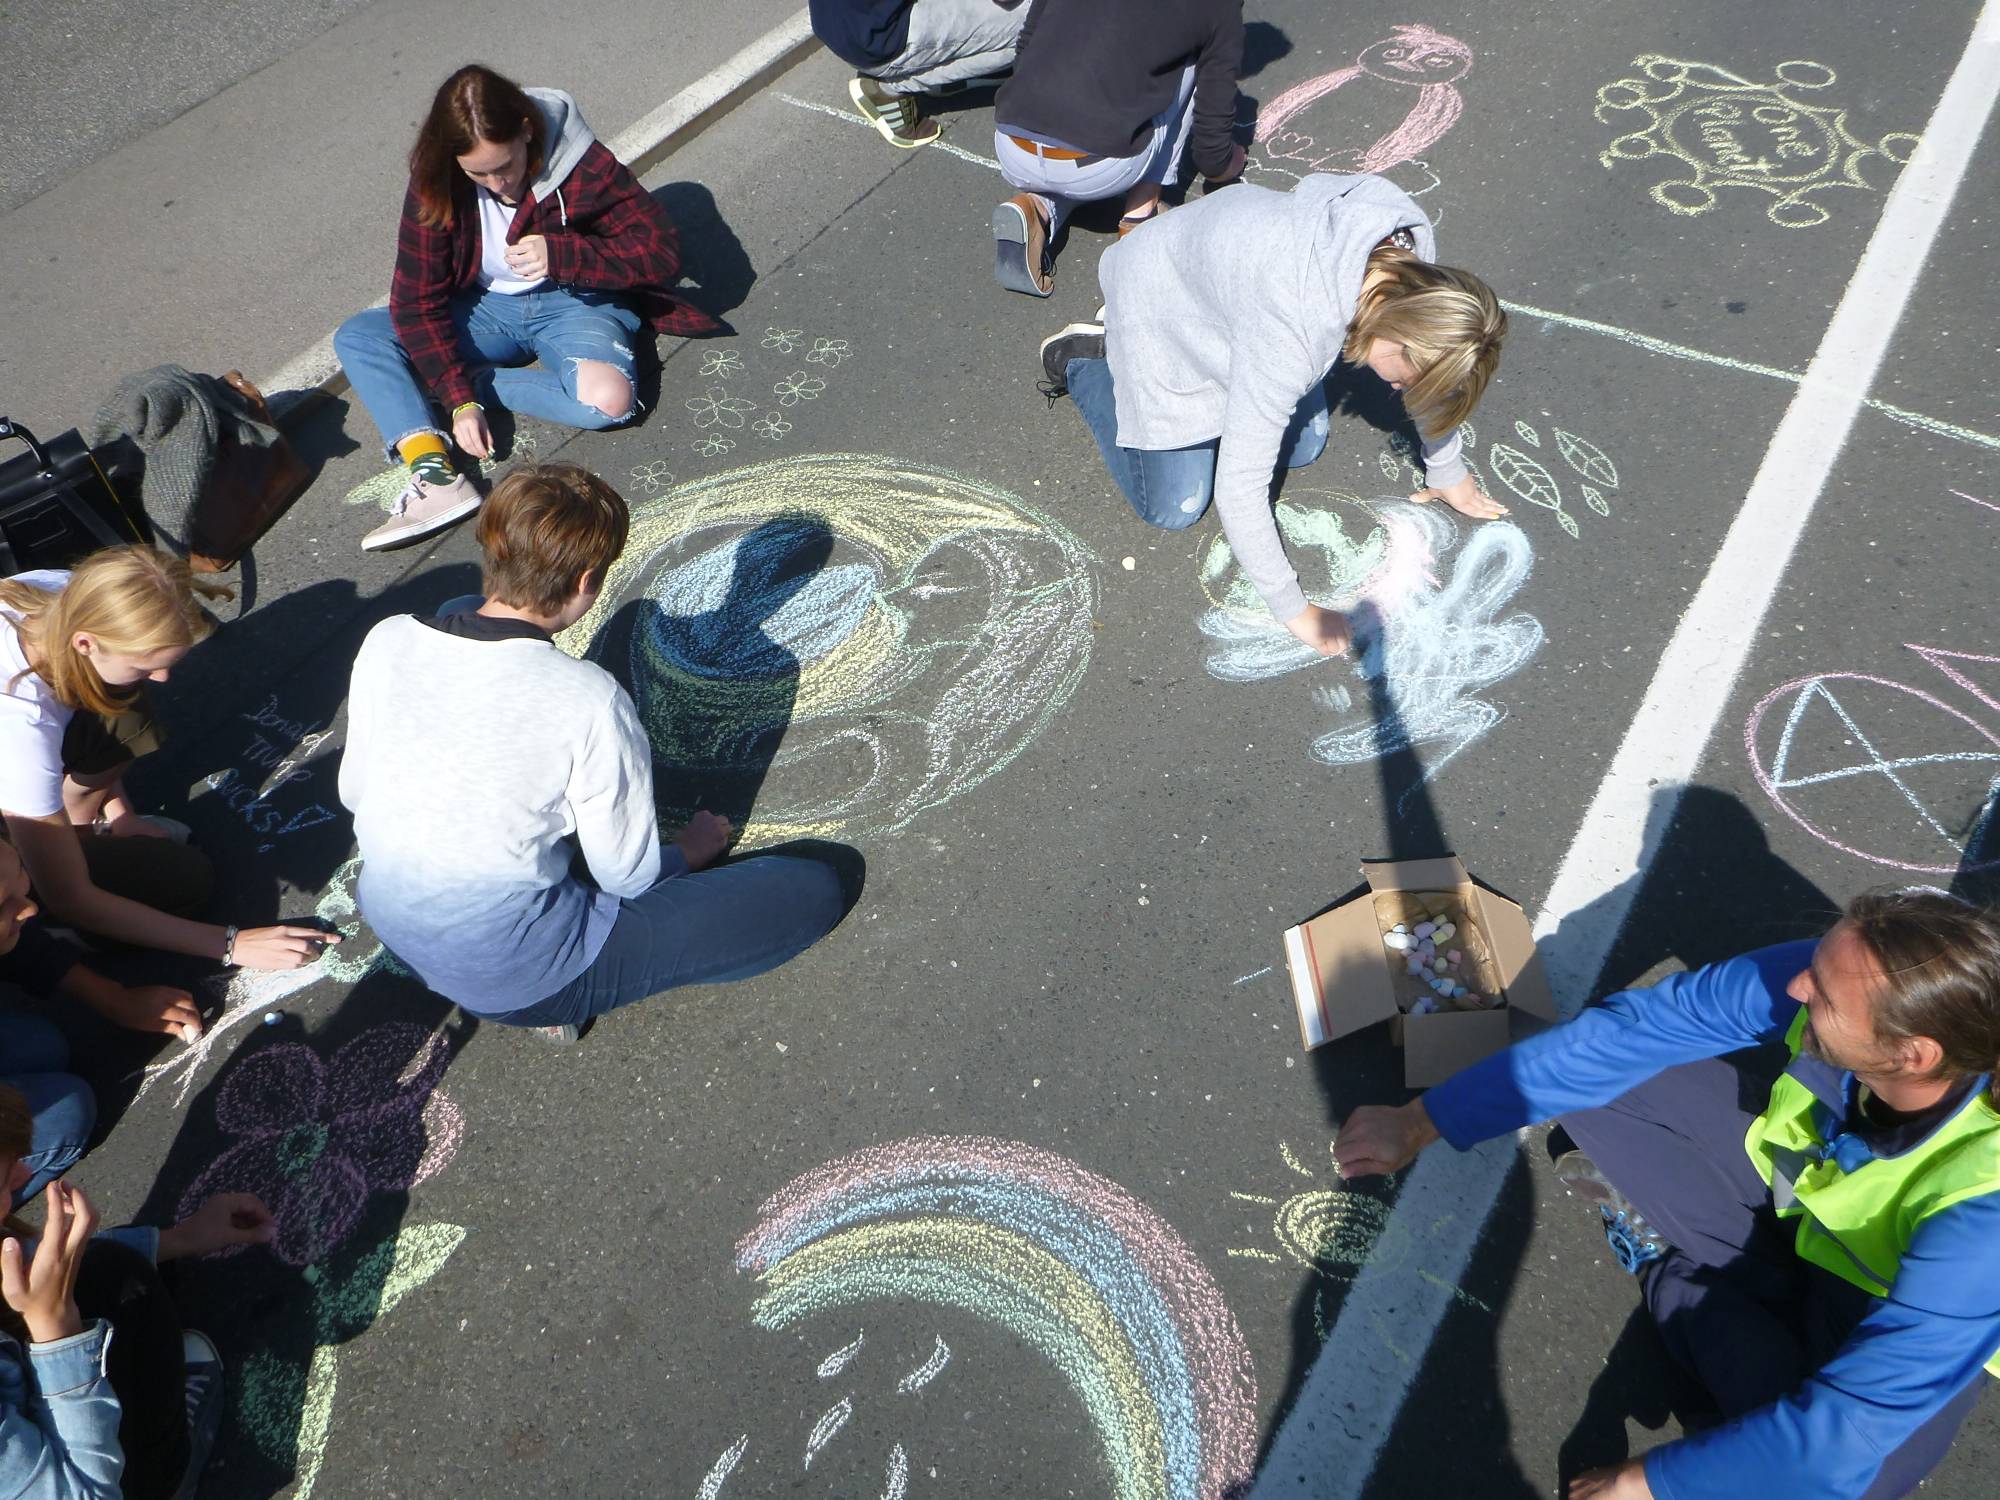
(395, 533)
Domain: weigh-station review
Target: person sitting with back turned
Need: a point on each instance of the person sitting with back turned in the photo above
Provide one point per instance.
(1826, 1266)
(522, 239)
(902, 48)
(1104, 98)
(546, 763)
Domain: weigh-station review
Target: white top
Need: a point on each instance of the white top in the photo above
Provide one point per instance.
(495, 219)
(470, 766)
(32, 721)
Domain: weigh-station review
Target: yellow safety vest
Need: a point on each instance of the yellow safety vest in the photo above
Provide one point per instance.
(1858, 1224)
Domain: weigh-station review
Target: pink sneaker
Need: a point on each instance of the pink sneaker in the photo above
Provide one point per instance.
(422, 508)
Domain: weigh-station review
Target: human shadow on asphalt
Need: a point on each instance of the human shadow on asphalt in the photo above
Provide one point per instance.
(708, 642)
(712, 257)
(332, 1128)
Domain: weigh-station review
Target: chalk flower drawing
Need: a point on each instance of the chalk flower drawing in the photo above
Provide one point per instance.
(716, 407)
(828, 352)
(316, 1140)
(1431, 637)
(1406, 82)
(784, 340)
(1833, 734)
(714, 444)
(866, 639)
(650, 476)
(798, 386)
(1059, 1258)
(1726, 131)
(1334, 1233)
(771, 425)
(720, 364)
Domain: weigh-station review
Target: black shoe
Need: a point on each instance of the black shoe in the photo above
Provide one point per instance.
(1077, 341)
(203, 1392)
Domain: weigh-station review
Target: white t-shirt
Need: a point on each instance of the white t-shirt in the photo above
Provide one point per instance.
(32, 721)
(495, 219)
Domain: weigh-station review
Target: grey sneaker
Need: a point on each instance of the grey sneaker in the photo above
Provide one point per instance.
(203, 1390)
(894, 116)
(422, 508)
(1077, 341)
(1633, 1240)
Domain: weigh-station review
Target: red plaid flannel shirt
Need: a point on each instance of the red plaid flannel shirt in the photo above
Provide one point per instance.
(605, 234)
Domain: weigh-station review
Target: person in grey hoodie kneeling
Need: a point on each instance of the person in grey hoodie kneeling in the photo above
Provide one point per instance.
(1220, 326)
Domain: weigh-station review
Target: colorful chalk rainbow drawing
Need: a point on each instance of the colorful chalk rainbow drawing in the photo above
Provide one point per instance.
(907, 631)
(1726, 131)
(1422, 66)
(1057, 1256)
(1442, 637)
(1334, 1233)
(1864, 711)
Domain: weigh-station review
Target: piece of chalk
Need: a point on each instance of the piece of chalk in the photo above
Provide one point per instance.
(1425, 929)
(272, 1018)
(1399, 927)
(1453, 955)
(1444, 930)
(1400, 941)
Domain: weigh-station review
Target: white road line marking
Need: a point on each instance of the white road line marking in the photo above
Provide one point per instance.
(1328, 1445)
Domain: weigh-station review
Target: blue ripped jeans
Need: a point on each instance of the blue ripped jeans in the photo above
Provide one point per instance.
(1171, 487)
(502, 338)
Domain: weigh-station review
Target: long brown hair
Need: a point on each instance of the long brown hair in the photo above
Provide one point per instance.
(475, 104)
(1450, 326)
(1941, 960)
(135, 600)
(17, 1138)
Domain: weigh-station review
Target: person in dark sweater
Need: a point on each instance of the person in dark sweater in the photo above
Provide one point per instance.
(1106, 96)
(902, 48)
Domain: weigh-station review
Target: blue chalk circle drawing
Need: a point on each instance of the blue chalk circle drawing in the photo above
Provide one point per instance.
(830, 646)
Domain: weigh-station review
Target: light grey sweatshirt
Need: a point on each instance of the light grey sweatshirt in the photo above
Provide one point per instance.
(470, 765)
(1224, 314)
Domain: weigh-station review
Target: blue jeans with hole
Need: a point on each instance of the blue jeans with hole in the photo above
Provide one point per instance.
(35, 1058)
(1172, 487)
(501, 338)
(732, 921)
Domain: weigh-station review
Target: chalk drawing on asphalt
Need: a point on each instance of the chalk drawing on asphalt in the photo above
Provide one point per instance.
(1333, 1233)
(1857, 760)
(650, 478)
(798, 386)
(771, 426)
(720, 364)
(1441, 634)
(380, 490)
(841, 1358)
(1405, 86)
(1722, 130)
(866, 638)
(1987, 504)
(714, 445)
(715, 407)
(784, 340)
(1526, 476)
(1064, 1260)
(829, 352)
(827, 1426)
(712, 1482)
(929, 1370)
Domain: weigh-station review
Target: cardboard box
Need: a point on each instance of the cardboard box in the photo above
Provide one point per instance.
(1344, 977)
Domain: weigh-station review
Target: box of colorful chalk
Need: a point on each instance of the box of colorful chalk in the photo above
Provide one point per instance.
(1449, 963)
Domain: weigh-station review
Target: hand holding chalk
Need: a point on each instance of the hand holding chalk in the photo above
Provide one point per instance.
(470, 432)
(222, 1223)
(528, 258)
(1378, 1139)
(705, 837)
(155, 1007)
(1465, 497)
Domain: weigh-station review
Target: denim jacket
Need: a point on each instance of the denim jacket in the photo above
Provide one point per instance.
(58, 1413)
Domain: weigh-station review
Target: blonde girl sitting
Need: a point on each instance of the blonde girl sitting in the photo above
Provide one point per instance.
(76, 649)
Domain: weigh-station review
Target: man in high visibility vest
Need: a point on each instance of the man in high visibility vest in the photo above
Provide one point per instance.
(1816, 1225)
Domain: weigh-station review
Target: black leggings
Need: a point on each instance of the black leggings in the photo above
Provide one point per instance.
(144, 1363)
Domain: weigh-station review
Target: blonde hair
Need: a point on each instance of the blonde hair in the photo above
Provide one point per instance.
(134, 600)
(1449, 324)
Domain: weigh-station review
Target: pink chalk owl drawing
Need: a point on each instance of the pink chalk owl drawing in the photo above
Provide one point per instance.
(1419, 67)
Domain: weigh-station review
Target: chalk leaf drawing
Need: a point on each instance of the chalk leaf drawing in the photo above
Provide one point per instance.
(1527, 477)
(1063, 1260)
(716, 407)
(1854, 751)
(1725, 131)
(865, 638)
(1402, 91)
(1440, 639)
(316, 1140)
(1334, 1232)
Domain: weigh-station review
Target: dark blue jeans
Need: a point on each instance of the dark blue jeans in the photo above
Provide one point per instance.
(1171, 487)
(734, 921)
(34, 1057)
(1737, 1308)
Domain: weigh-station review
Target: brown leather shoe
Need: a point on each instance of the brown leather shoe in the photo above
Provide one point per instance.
(1021, 260)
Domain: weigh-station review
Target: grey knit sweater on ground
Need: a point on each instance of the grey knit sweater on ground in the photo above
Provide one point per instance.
(1222, 315)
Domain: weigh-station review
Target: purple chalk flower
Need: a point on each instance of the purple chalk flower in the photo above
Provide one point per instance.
(317, 1139)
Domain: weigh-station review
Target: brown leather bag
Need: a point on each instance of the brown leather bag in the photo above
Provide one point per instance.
(248, 489)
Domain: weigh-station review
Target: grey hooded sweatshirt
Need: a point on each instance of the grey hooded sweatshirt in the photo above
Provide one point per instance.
(567, 137)
(1224, 314)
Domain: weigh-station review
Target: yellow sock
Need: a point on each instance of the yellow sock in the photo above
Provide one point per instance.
(418, 444)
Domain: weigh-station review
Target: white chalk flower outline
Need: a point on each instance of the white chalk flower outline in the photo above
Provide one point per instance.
(715, 443)
(796, 387)
(719, 408)
(773, 426)
(784, 340)
(829, 352)
(720, 364)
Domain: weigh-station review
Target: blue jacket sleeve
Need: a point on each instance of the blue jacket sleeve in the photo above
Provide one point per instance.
(1903, 1363)
(59, 1420)
(1607, 1049)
